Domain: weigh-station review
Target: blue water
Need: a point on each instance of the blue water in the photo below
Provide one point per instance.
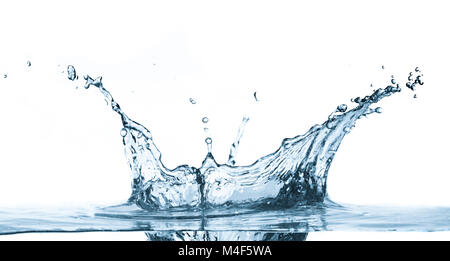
(231, 222)
(281, 196)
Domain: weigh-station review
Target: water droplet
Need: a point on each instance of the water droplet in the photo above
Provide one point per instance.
(254, 95)
(342, 108)
(123, 132)
(206, 129)
(330, 125)
(415, 96)
(382, 67)
(191, 100)
(393, 81)
(419, 80)
(71, 73)
(5, 75)
(205, 120)
(208, 140)
(378, 110)
(28, 63)
(417, 69)
(356, 100)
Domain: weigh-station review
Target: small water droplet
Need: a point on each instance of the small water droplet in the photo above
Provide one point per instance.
(356, 100)
(382, 67)
(415, 96)
(378, 110)
(342, 108)
(206, 129)
(330, 124)
(191, 100)
(5, 75)
(28, 63)
(208, 140)
(205, 119)
(71, 73)
(123, 132)
(393, 81)
(254, 95)
(417, 69)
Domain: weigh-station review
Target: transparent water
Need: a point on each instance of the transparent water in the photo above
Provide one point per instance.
(228, 223)
(281, 196)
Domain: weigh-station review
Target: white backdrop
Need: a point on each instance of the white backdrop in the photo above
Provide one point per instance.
(61, 145)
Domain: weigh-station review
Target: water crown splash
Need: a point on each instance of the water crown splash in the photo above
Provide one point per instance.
(295, 174)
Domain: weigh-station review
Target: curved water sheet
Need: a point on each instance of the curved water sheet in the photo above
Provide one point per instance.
(295, 174)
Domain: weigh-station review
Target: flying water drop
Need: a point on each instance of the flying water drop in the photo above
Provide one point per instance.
(28, 63)
(71, 73)
(205, 119)
(208, 142)
(341, 108)
(254, 95)
(192, 101)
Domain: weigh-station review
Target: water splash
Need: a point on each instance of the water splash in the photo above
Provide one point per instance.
(295, 174)
(235, 145)
(414, 79)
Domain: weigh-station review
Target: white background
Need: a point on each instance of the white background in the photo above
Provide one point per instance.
(61, 145)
